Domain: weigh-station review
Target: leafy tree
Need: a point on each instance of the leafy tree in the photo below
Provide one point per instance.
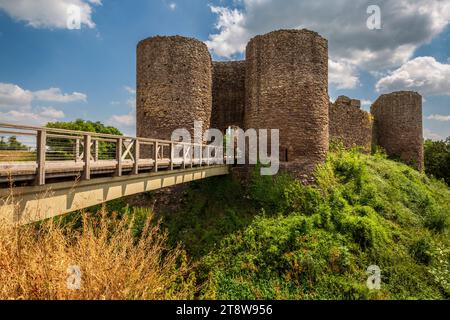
(437, 159)
(82, 125)
(12, 144)
(64, 148)
(3, 144)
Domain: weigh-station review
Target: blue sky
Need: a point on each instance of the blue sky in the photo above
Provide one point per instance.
(48, 72)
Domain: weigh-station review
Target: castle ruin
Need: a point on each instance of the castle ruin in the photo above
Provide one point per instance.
(282, 84)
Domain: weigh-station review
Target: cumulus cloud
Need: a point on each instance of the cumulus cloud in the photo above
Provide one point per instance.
(33, 116)
(126, 119)
(233, 36)
(439, 117)
(428, 134)
(406, 25)
(48, 13)
(342, 74)
(12, 96)
(126, 122)
(422, 74)
(17, 104)
(55, 95)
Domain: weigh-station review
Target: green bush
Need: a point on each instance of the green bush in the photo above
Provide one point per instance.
(437, 159)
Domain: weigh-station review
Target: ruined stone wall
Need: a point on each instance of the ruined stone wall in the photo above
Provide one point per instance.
(173, 85)
(398, 126)
(349, 124)
(228, 95)
(287, 89)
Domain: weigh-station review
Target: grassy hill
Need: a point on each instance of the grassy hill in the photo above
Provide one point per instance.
(282, 240)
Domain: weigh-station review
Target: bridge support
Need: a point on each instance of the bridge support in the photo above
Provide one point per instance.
(42, 202)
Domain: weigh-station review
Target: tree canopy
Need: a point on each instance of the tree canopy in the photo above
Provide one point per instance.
(83, 125)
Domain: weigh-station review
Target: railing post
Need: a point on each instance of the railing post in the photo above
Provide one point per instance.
(95, 143)
(184, 156)
(201, 155)
(207, 155)
(171, 156)
(192, 154)
(119, 144)
(87, 157)
(40, 157)
(136, 156)
(77, 150)
(155, 165)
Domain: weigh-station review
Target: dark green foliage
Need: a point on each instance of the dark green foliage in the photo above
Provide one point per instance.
(316, 242)
(82, 125)
(12, 144)
(63, 149)
(210, 210)
(437, 159)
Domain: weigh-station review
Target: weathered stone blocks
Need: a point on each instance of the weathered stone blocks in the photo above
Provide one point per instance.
(349, 124)
(228, 95)
(398, 126)
(174, 85)
(287, 89)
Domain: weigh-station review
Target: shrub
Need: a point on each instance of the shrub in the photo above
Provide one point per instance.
(114, 262)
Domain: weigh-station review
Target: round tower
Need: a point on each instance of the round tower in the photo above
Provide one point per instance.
(287, 89)
(398, 126)
(173, 86)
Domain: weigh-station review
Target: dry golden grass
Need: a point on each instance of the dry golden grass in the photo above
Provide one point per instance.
(115, 263)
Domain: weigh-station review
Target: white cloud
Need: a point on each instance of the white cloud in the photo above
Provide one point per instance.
(342, 74)
(366, 102)
(130, 90)
(126, 122)
(37, 116)
(172, 6)
(233, 36)
(126, 119)
(428, 134)
(48, 13)
(439, 117)
(17, 104)
(406, 25)
(422, 74)
(55, 95)
(50, 112)
(13, 96)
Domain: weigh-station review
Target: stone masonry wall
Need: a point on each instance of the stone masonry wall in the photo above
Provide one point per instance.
(349, 124)
(287, 89)
(173, 85)
(398, 126)
(228, 95)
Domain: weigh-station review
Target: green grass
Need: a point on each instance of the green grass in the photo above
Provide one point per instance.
(317, 242)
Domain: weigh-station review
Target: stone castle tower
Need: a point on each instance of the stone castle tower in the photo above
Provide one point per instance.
(282, 84)
(398, 126)
(174, 85)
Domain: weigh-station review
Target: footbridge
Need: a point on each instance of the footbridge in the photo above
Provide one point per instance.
(46, 172)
